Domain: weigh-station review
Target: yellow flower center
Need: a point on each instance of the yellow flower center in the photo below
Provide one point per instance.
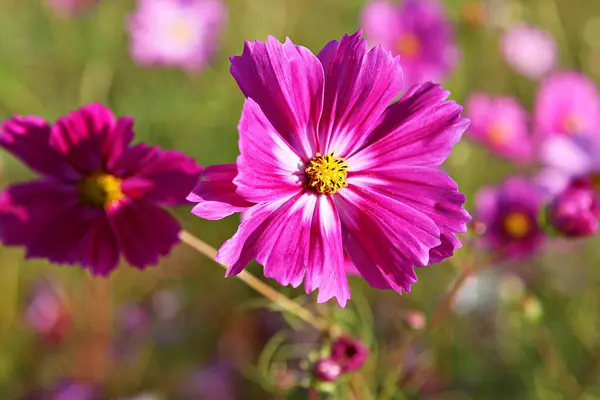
(408, 45)
(498, 133)
(181, 32)
(573, 123)
(100, 190)
(517, 224)
(326, 174)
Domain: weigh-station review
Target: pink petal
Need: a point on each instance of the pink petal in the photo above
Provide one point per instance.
(286, 81)
(144, 232)
(385, 237)
(325, 257)
(312, 248)
(430, 191)
(446, 249)
(359, 85)
(565, 154)
(28, 138)
(99, 249)
(380, 20)
(268, 169)
(91, 138)
(160, 176)
(216, 194)
(419, 130)
(45, 216)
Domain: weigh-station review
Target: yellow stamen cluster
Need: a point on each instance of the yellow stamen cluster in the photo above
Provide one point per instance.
(100, 190)
(517, 224)
(326, 174)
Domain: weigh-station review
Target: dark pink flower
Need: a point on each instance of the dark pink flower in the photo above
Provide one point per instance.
(500, 124)
(349, 353)
(510, 214)
(417, 30)
(567, 103)
(327, 370)
(328, 167)
(98, 196)
(575, 212)
(183, 33)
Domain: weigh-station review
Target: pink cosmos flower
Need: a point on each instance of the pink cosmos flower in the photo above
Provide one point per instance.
(70, 8)
(328, 168)
(529, 50)
(98, 196)
(510, 214)
(417, 30)
(180, 33)
(567, 103)
(500, 124)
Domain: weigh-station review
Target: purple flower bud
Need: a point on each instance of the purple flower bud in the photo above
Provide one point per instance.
(575, 211)
(350, 354)
(328, 370)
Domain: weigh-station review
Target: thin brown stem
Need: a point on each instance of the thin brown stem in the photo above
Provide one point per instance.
(284, 303)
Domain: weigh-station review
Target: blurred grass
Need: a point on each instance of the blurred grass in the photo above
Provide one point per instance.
(50, 65)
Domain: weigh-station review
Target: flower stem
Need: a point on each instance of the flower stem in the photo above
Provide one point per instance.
(284, 303)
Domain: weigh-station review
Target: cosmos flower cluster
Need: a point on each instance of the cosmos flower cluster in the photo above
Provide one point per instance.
(340, 157)
(563, 135)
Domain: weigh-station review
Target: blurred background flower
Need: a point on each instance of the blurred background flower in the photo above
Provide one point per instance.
(529, 50)
(181, 33)
(417, 30)
(501, 125)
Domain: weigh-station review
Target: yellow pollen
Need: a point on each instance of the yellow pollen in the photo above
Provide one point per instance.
(408, 45)
(181, 32)
(517, 225)
(498, 133)
(100, 190)
(326, 174)
(573, 123)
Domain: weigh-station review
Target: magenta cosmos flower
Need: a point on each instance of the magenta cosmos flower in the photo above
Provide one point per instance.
(417, 30)
(98, 196)
(510, 213)
(349, 353)
(501, 125)
(575, 212)
(529, 51)
(566, 103)
(182, 33)
(328, 167)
